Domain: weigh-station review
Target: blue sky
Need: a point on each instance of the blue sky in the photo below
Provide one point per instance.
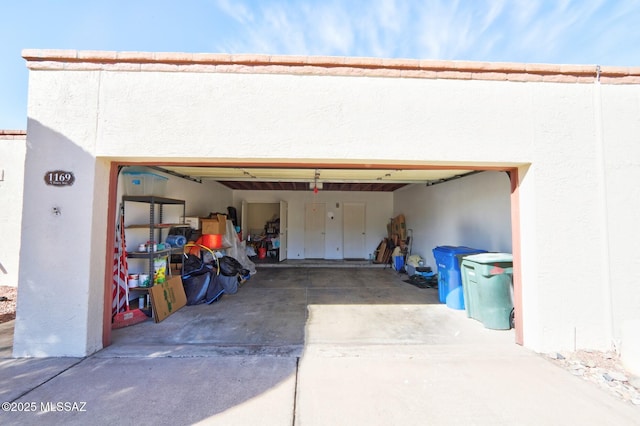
(603, 32)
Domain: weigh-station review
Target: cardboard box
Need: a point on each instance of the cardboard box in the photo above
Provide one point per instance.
(167, 297)
(192, 221)
(217, 225)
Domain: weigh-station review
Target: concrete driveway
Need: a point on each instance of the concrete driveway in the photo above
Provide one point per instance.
(307, 346)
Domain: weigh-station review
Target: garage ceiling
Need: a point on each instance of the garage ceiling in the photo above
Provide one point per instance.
(304, 179)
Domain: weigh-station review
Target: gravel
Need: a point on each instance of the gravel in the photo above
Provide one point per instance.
(604, 369)
(8, 296)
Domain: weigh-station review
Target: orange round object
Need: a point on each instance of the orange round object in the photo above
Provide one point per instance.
(213, 241)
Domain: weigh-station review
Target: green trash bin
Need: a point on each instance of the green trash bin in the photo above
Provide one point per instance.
(487, 286)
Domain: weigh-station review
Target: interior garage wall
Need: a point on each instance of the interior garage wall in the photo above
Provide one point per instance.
(378, 210)
(472, 211)
(201, 198)
(12, 153)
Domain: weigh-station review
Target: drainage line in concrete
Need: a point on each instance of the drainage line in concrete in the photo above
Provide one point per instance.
(295, 393)
(48, 380)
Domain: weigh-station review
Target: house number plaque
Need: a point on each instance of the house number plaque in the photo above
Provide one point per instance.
(59, 178)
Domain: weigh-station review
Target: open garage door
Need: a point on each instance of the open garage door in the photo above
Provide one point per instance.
(309, 233)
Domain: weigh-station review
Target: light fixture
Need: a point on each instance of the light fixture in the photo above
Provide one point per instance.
(315, 185)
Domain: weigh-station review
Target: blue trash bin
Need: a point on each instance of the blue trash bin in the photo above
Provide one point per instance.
(448, 260)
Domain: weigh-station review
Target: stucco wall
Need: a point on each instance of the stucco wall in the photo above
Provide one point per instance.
(62, 259)
(78, 119)
(12, 152)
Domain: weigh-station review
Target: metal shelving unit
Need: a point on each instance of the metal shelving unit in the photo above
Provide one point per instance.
(156, 226)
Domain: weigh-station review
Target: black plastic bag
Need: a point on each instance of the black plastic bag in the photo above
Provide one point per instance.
(204, 284)
(215, 291)
(196, 288)
(192, 265)
(229, 266)
(197, 278)
(228, 284)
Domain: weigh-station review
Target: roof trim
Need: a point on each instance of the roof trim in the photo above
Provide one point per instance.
(13, 134)
(52, 59)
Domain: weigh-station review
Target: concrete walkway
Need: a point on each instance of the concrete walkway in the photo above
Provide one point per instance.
(304, 346)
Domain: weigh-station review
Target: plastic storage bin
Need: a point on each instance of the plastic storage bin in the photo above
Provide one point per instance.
(487, 283)
(449, 278)
(411, 263)
(144, 183)
(398, 263)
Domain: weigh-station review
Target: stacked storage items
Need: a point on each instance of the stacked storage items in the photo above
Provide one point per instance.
(448, 260)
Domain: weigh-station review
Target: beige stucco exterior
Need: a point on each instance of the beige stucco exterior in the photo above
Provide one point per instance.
(12, 152)
(571, 132)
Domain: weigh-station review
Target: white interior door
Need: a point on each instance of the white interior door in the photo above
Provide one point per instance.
(314, 230)
(354, 231)
(284, 223)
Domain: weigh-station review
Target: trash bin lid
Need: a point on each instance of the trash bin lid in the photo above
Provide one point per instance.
(490, 258)
(453, 250)
(444, 249)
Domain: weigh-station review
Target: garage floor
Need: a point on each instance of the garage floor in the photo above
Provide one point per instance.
(273, 313)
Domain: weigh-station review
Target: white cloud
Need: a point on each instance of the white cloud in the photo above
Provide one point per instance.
(552, 31)
(336, 32)
(236, 10)
(487, 30)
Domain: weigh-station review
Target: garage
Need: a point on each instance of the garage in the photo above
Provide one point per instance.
(91, 112)
(317, 274)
